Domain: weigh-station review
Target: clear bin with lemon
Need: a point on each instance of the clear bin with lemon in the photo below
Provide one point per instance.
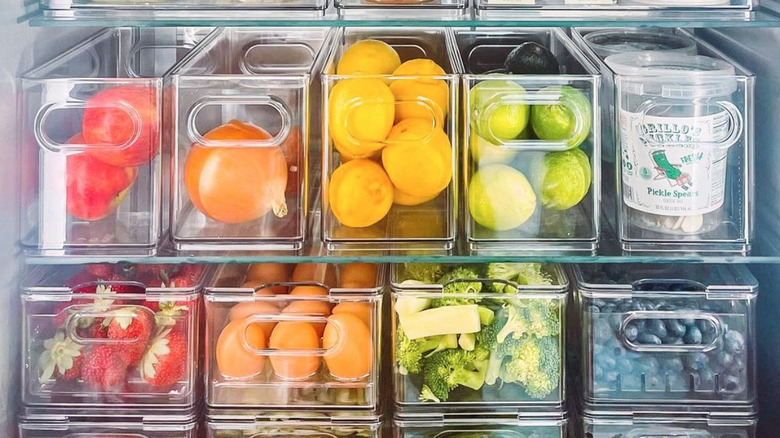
(390, 140)
(531, 142)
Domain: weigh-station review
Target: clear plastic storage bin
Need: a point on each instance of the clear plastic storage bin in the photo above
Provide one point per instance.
(657, 427)
(389, 172)
(617, 9)
(242, 107)
(91, 139)
(294, 426)
(113, 429)
(683, 127)
(414, 9)
(668, 338)
(532, 141)
(307, 336)
(110, 337)
(475, 338)
(475, 427)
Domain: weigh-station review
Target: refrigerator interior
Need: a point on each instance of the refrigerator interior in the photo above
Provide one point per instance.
(756, 48)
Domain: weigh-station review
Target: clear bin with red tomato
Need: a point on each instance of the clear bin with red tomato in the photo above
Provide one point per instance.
(91, 143)
(304, 336)
(390, 134)
(241, 134)
(107, 336)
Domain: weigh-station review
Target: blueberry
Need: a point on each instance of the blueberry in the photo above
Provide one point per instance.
(671, 340)
(693, 336)
(738, 364)
(731, 383)
(606, 361)
(664, 307)
(631, 332)
(648, 364)
(599, 303)
(724, 358)
(706, 379)
(625, 365)
(607, 308)
(615, 320)
(648, 339)
(696, 361)
(657, 328)
(638, 305)
(705, 326)
(625, 306)
(734, 342)
(593, 309)
(675, 328)
(601, 331)
(674, 365)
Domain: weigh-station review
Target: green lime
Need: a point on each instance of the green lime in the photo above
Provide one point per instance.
(565, 178)
(559, 121)
(496, 117)
(500, 197)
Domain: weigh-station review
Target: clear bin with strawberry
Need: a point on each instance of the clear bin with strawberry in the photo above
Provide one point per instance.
(111, 335)
(90, 143)
(304, 335)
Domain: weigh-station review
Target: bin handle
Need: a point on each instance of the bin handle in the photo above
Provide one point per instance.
(284, 317)
(250, 68)
(672, 314)
(88, 311)
(269, 101)
(548, 96)
(136, 49)
(734, 120)
(45, 141)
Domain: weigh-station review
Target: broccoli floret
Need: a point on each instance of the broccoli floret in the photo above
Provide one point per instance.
(410, 353)
(428, 273)
(520, 273)
(448, 369)
(486, 340)
(426, 395)
(534, 363)
(453, 284)
(538, 318)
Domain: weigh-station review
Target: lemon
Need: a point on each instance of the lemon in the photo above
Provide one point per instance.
(361, 113)
(368, 57)
(421, 97)
(500, 197)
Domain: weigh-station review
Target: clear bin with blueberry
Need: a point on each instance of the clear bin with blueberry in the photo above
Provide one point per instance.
(679, 337)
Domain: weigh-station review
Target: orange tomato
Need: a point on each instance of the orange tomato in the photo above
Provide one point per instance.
(358, 275)
(293, 335)
(265, 273)
(233, 359)
(315, 272)
(361, 310)
(236, 184)
(250, 308)
(350, 352)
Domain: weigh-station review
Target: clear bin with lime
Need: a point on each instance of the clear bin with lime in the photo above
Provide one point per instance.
(532, 142)
(389, 140)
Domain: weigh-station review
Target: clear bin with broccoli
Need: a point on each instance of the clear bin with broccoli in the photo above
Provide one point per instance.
(472, 334)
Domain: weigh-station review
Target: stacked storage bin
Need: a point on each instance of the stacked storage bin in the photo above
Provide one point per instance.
(294, 347)
(111, 349)
(680, 119)
(479, 349)
(666, 349)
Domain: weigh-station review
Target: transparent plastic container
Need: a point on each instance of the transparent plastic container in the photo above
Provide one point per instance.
(308, 343)
(91, 139)
(244, 102)
(684, 136)
(409, 222)
(476, 427)
(523, 319)
(96, 429)
(111, 337)
(402, 8)
(532, 186)
(657, 427)
(667, 338)
(293, 426)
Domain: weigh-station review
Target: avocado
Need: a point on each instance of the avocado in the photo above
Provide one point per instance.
(532, 59)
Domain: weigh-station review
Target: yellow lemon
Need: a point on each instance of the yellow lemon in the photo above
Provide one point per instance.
(361, 112)
(368, 57)
(424, 98)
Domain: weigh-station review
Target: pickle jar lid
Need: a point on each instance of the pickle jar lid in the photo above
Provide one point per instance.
(673, 75)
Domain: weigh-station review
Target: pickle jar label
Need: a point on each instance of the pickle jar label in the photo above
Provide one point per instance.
(673, 166)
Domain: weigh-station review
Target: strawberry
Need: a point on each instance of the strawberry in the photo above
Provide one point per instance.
(62, 358)
(191, 273)
(98, 330)
(131, 324)
(103, 369)
(165, 361)
(100, 270)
